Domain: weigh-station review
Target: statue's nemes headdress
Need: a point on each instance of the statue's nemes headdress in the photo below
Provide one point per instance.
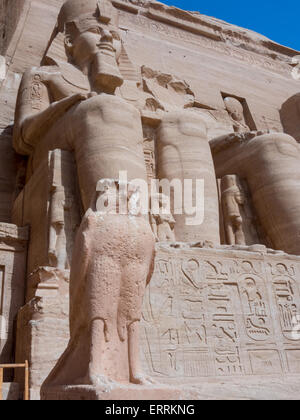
(85, 13)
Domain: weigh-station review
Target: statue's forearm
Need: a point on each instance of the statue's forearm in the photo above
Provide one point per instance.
(34, 126)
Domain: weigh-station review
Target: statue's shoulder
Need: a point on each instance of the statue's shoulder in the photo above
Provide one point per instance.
(40, 74)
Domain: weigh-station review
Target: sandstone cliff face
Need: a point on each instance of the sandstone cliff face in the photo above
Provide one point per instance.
(190, 98)
(10, 12)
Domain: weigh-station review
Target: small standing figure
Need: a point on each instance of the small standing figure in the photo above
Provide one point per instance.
(236, 113)
(112, 263)
(57, 236)
(232, 198)
(162, 222)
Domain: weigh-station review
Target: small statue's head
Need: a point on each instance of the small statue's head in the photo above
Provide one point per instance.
(92, 40)
(234, 108)
(229, 181)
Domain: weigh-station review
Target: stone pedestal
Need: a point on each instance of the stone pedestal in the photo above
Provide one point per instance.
(112, 392)
(13, 247)
(43, 326)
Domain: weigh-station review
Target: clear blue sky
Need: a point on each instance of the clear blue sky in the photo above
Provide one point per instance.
(277, 20)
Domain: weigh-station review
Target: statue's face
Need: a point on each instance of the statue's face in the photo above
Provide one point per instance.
(96, 52)
(234, 108)
(229, 181)
(87, 44)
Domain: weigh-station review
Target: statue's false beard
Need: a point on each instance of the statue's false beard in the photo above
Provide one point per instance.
(105, 74)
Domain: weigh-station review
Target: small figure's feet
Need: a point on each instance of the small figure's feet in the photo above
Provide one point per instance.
(141, 379)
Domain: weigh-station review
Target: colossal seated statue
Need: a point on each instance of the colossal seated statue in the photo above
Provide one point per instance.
(270, 165)
(184, 157)
(72, 106)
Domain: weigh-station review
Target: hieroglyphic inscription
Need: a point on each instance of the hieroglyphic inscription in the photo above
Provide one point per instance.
(255, 308)
(286, 291)
(36, 93)
(215, 316)
(224, 329)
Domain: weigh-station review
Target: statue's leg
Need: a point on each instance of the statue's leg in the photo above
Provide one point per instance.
(61, 250)
(229, 232)
(171, 235)
(103, 294)
(97, 343)
(130, 311)
(239, 234)
(52, 245)
(135, 370)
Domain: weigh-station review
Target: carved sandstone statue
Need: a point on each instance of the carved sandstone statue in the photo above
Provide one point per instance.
(232, 199)
(290, 116)
(236, 113)
(183, 153)
(71, 105)
(112, 263)
(270, 165)
(57, 237)
(163, 222)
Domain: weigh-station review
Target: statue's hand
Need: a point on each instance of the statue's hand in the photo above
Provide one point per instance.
(79, 97)
(252, 134)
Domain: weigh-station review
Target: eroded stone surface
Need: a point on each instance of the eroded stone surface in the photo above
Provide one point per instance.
(13, 251)
(92, 101)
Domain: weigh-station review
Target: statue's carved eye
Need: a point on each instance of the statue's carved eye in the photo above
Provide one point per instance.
(95, 30)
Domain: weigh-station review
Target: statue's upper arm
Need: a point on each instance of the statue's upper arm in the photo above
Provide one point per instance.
(33, 97)
(33, 94)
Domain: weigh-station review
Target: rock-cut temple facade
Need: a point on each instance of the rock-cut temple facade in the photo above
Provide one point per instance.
(181, 280)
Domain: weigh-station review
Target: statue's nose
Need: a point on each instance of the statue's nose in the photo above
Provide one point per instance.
(106, 36)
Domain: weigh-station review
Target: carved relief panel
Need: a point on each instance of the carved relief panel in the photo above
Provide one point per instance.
(211, 313)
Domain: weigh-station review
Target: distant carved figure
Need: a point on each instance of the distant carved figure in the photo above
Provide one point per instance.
(163, 222)
(112, 264)
(236, 112)
(61, 203)
(57, 236)
(232, 198)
